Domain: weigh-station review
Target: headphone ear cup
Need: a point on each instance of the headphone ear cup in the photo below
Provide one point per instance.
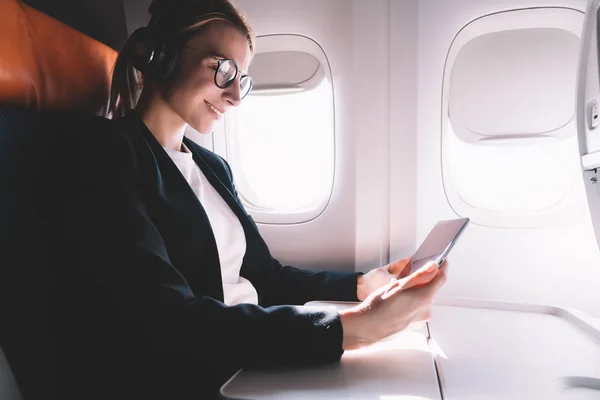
(143, 52)
(152, 58)
(166, 64)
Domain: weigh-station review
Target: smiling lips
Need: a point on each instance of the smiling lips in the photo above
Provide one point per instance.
(214, 109)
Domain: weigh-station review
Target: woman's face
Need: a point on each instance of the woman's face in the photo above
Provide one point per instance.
(193, 95)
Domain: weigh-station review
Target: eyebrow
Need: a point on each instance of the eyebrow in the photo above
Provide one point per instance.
(215, 53)
(221, 55)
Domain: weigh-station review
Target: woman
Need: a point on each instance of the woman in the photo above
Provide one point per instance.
(175, 288)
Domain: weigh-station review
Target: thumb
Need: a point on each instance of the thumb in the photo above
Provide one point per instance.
(400, 268)
(421, 276)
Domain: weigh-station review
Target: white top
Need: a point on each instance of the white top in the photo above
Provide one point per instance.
(228, 231)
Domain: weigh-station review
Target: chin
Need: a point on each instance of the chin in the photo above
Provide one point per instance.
(203, 128)
(205, 131)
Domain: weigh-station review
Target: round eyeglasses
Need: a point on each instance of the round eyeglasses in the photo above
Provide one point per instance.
(226, 73)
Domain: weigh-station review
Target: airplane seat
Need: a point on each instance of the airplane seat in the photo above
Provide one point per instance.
(46, 68)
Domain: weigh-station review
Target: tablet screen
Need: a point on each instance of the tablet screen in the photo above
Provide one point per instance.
(439, 242)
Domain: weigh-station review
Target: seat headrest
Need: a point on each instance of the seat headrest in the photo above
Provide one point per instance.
(47, 65)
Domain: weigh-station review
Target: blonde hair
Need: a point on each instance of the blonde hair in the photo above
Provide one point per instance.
(174, 25)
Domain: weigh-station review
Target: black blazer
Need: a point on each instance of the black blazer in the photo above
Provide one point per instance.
(137, 303)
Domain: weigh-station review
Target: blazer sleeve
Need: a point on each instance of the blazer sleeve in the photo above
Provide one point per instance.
(279, 284)
(118, 248)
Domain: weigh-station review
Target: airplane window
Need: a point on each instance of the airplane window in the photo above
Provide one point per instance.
(282, 148)
(515, 184)
(509, 144)
(280, 142)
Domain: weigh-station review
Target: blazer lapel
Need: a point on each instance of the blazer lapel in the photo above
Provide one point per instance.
(183, 220)
(221, 188)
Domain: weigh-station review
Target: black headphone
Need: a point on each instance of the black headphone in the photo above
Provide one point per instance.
(153, 57)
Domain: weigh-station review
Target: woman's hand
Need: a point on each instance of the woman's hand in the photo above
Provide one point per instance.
(378, 277)
(392, 307)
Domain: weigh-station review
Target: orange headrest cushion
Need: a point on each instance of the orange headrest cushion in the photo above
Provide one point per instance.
(47, 65)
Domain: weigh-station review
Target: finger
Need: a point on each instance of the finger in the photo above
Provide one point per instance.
(407, 269)
(421, 294)
(417, 279)
(422, 276)
(398, 267)
(428, 291)
(387, 289)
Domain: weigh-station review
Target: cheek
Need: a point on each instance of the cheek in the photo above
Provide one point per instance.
(187, 97)
(196, 112)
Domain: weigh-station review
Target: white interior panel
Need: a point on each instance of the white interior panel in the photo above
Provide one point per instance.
(285, 69)
(588, 119)
(371, 130)
(556, 265)
(588, 90)
(592, 182)
(403, 127)
(590, 161)
(503, 83)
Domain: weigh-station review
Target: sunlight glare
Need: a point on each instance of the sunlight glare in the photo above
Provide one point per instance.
(285, 148)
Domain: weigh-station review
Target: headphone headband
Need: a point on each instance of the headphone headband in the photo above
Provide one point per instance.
(158, 58)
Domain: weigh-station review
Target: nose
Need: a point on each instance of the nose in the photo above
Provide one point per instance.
(232, 93)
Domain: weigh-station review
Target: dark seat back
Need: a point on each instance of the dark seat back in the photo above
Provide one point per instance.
(45, 65)
(25, 283)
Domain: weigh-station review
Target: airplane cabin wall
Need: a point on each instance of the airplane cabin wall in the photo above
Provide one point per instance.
(328, 240)
(558, 265)
(354, 231)
(403, 127)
